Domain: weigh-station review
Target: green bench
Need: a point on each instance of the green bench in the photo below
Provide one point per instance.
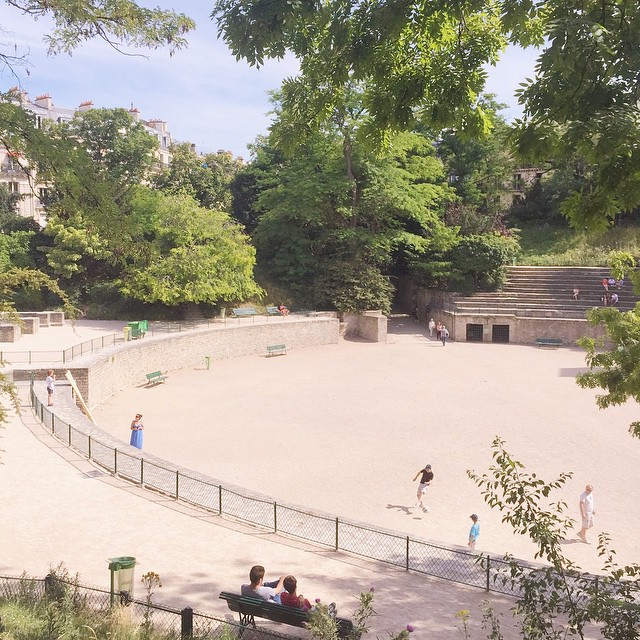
(273, 311)
(251, 608)
(156, 377)
(552, 343)
(245, 312)
(276, 350)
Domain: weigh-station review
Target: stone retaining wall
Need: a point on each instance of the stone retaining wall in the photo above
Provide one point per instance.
(102, 374)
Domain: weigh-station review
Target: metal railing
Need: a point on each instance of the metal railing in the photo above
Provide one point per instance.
(327, 531)
(157, 620)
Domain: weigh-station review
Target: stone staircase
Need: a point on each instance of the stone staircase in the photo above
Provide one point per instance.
(544, 292)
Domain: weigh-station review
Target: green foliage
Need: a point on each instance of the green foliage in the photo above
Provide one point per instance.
(353, 287)
(118, 22)
(186, 253)
(614, 358)
(335, 224)
(206, 179)
(477, 261)
(557, 600)
(409, 55)
(553, 246)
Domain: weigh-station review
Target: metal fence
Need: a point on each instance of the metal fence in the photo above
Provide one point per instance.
(155, 619)
(403, 551)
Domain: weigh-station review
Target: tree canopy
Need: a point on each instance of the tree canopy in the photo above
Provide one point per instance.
(120, 23)
(427, 61)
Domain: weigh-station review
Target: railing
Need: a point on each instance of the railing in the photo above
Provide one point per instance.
(167, 622)
(65, 355)
(399, 550)
(89, 346)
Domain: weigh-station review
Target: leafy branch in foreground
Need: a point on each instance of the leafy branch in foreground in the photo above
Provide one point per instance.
(558, 599)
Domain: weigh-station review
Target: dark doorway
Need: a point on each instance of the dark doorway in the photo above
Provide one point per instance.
(500, 333)
(474, 332)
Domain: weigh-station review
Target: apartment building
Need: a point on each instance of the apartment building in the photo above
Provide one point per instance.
(19, 178)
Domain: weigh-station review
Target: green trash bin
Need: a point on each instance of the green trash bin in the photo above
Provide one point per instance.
(122, 571)
(135, 329)
(144, 327)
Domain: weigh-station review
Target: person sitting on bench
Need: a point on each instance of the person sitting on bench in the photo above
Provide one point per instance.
(290, 598)
(269, 591)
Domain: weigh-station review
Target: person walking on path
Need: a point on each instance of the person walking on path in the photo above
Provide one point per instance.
(586, 512)
(425, 481)
(51, 383)
(136, 431)
(432, 326)
(444, 334)
(474, 532)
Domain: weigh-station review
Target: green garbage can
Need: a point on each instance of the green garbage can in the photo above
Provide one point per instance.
(143, 326)
(135, 329)
(122, 571)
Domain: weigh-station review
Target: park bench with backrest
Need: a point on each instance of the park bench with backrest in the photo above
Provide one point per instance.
(245, 312)
(551, 343)
(156, 377)
(273, 311)
(251, 608)
(276, 350)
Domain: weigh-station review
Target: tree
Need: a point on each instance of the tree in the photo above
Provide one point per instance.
(558, 599)
(206, 178)
(329, 245)
(120, 23)
(480, 170)
(426, 61)
(186, 254)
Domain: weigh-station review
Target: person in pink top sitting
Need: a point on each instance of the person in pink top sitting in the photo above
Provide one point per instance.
(290, 598)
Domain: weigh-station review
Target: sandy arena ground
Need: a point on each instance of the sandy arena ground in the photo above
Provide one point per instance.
(342, 429)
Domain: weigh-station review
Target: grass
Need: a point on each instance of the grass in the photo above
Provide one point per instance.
(554, 246)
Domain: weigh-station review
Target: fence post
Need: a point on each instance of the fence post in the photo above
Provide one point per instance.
(177, 485)
(220, 498)
(64, 356)
(488, 573)
(407, 563)
(337, 525)
(186, 622)
(275, 517)
(89, 448)
(141, 472)
(115, 462)
(53, 421)
(69, 438)
(49, 584)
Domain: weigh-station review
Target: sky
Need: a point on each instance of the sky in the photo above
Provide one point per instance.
(205, 95)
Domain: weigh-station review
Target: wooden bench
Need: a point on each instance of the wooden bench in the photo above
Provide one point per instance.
(276, 350)
(245, 312)
(156, 377)
(273, 311)
(551, 343)
(249, 609)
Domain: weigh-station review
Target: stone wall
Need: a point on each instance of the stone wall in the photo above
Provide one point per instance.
(102, 374)
(10, 332)
(521, 330)
(369, 325)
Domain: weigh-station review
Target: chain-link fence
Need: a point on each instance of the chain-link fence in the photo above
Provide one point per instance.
(152, 619)
(327, 531)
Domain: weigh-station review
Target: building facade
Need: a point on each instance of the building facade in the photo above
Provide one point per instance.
(19, 178)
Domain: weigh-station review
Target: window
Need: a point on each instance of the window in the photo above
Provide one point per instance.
(14, 187)
(474, 332)
(500, 333)
(43, 195)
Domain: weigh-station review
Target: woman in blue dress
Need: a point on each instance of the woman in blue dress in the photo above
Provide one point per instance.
(136, 431)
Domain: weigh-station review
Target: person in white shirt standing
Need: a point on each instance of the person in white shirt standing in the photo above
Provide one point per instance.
(586, 512)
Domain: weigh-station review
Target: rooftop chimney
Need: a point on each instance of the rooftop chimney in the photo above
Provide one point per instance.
(44, 101)
(86, 105)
